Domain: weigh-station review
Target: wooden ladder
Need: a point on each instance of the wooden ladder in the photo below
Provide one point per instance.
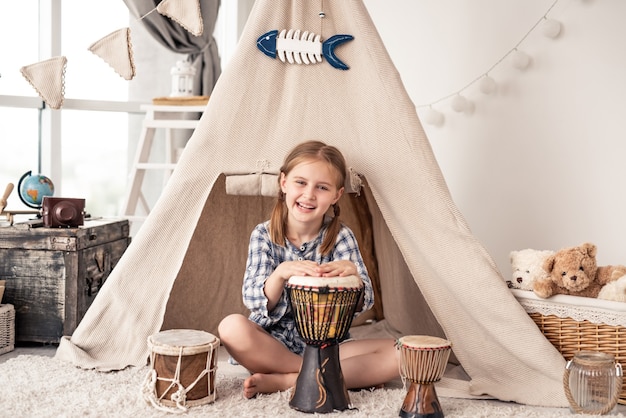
(157, 117)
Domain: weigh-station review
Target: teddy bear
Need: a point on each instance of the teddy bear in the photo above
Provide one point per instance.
(615, 290)
(527, 266)
(574, 271)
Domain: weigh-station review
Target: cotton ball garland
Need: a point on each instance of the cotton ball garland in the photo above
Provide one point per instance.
(459, 103)
(432, 117)
(551, 28)
(520, 59)
(487, 85)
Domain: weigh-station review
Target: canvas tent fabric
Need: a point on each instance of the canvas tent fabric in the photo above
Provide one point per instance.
(182, 270)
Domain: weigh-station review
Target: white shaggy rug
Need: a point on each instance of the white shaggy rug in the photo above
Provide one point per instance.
(41, 386)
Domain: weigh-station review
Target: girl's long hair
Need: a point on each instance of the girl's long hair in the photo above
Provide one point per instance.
(308, 151)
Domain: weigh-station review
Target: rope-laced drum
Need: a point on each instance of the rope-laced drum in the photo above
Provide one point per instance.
(182, 369)
(323, 309)
(423, 361)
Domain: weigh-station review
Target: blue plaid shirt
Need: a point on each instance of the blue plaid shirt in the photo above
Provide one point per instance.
(263, 258)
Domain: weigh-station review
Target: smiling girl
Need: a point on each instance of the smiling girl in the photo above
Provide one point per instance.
(301, 239)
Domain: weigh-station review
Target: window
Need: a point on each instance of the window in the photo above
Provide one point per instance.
(19, 138)
(20, 20)
(83, 23)
(81, 147)
(19, 145)
(87, 146)
(94, 155)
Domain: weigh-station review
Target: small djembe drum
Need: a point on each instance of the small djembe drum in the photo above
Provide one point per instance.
(323, 308)
(423, 361)
(182, 369)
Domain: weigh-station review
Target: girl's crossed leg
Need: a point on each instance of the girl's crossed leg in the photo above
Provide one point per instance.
(273, 368)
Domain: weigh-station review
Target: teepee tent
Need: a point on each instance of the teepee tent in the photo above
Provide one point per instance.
(184, 268)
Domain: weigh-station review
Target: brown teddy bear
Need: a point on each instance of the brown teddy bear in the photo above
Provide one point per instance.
(574, 271)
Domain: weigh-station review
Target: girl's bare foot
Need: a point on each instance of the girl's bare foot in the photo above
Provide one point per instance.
(268, 383)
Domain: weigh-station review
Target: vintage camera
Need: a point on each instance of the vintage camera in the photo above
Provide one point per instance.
(62, 212)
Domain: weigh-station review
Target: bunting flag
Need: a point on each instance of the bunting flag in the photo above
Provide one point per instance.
(48, 79)
(184, 12)
(116, 50)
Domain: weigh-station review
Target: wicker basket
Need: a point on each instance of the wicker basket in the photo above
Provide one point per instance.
(588, 329)
(7, 328)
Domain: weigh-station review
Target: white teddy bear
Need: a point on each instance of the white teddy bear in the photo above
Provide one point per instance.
(615, 290)
(527, 266)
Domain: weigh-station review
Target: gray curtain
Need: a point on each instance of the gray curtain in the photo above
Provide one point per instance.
(201, 50)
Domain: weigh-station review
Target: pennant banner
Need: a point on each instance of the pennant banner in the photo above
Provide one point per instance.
(116, 50)
(48, 79)
(184, 12)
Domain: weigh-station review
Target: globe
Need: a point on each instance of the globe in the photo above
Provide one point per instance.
(33, 187)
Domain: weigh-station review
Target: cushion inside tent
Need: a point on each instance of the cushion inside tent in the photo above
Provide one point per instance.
(185, 266)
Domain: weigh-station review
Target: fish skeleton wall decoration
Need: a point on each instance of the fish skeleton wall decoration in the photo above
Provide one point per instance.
(302, 48)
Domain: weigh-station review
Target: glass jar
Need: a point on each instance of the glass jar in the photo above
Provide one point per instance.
(592, 382)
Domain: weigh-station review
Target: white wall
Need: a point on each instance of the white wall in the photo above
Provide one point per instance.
(541, 163)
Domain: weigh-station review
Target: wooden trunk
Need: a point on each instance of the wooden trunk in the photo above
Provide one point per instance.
(53, 274)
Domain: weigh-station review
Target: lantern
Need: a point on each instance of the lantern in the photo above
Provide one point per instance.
(182, 79)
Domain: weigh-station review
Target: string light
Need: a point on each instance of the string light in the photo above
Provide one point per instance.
(433, 117)
(520, 59)
(459, 103)
(487, 84)
(551, 28)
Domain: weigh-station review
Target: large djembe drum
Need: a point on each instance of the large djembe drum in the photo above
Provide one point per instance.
(423, 361)
(323, 308)
(183, 363)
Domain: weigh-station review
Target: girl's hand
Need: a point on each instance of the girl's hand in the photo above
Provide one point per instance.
(287, 269)
(275, 283)
(337, 268)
